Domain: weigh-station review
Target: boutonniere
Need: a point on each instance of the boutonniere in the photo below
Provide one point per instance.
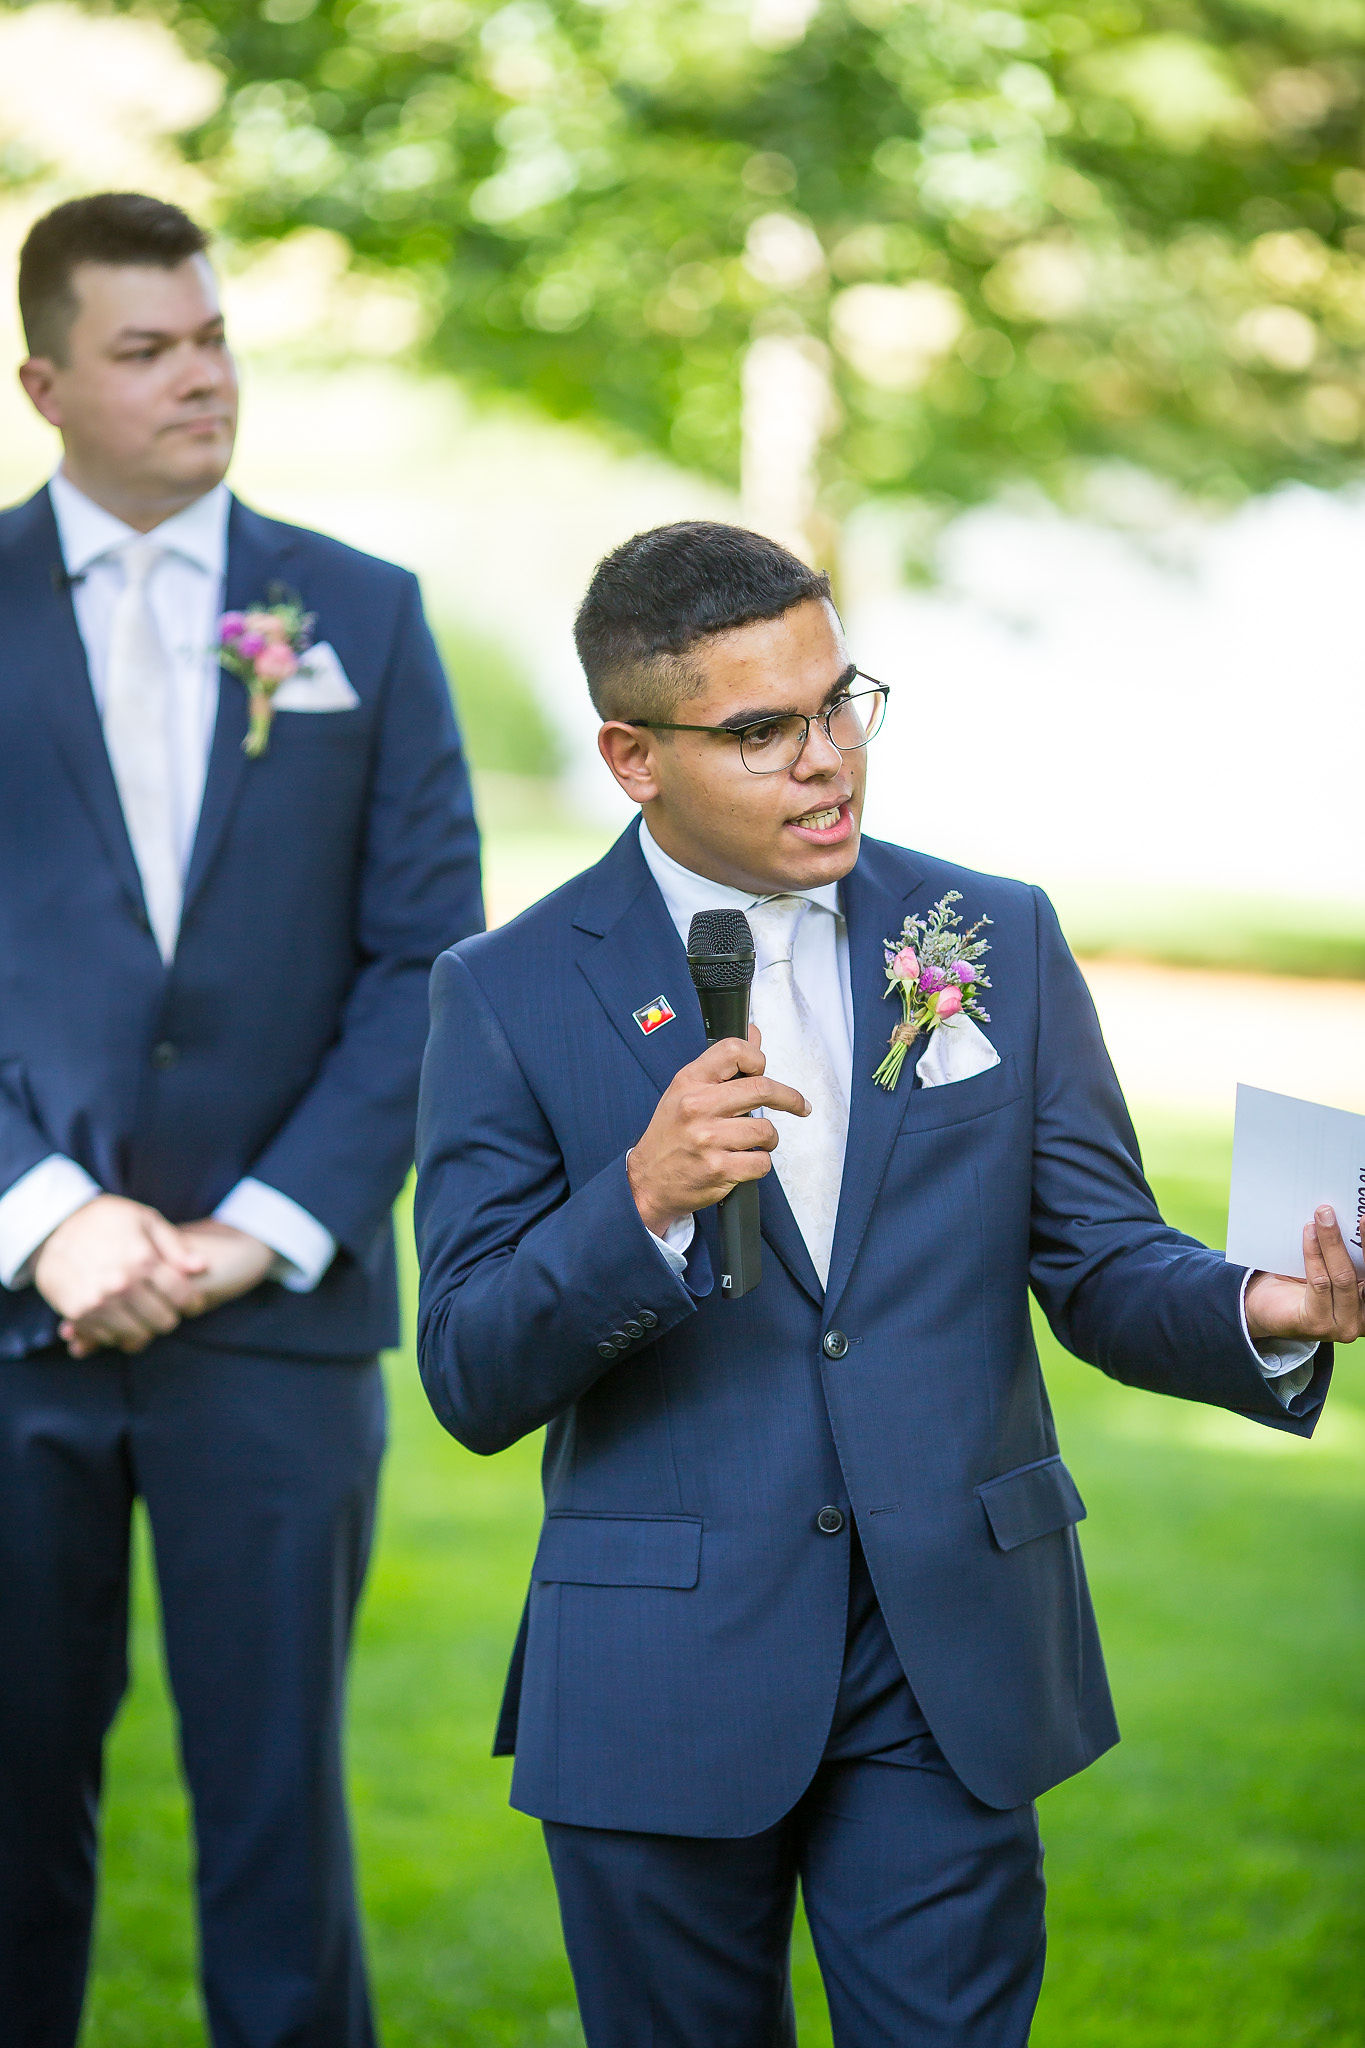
(933, 966)
(264, 647)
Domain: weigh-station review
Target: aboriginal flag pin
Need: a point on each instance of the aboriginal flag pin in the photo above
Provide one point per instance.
(652, 1016)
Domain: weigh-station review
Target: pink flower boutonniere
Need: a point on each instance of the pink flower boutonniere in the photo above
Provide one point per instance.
(933, 966)
(264, 647)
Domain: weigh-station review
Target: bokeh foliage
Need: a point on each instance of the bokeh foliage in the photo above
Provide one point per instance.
(1029, 236)
(501, 719)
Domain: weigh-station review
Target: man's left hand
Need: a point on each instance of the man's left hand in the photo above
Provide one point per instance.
(1327, 1305)
(235, 1262)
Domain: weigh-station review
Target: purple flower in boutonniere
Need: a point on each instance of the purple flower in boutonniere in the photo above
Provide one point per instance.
(932, 965)
(264, 647)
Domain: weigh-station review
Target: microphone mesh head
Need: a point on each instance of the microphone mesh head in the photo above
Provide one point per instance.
(720, 949)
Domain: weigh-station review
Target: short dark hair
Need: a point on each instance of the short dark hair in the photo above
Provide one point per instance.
(105, 227)
(652, 600)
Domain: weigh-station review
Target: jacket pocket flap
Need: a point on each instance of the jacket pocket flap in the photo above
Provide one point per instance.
(956, 1102)
(1032, 1501)
(620, 1550)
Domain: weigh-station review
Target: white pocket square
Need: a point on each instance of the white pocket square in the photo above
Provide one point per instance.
(956, 1050)
(318, 684)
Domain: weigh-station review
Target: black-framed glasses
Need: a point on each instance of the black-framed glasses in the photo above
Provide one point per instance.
(768, 745)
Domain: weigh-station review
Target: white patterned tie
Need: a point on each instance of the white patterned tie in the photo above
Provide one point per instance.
(137, 733)
(809, 1160)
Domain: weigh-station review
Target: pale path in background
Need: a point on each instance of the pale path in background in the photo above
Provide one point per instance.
(1181, 1038)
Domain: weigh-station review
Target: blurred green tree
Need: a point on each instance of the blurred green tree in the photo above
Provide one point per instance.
(504, 725)
(1008, 239)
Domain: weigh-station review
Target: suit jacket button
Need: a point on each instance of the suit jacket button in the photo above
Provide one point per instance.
(165, 1055)
(605, 1350)
(648, 1319)
(835, 1344)
(829, 1521)
(633, 1329)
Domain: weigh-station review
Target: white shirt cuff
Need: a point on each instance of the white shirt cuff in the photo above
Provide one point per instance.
(305, 1248)
(674, 1243)
(675, 1240)
(1287, 1363)
(31, 1210)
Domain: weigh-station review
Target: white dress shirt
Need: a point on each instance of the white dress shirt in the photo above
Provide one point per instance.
(185, 593)
(186, 596)
(821, 972)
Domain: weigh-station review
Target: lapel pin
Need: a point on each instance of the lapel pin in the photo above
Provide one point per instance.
(653, 1016)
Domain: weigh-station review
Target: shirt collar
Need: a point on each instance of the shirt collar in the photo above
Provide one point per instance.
(86, 531)
(685, 892)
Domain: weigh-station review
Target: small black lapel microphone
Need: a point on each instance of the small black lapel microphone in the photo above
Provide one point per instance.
(720, 959)
(63, 580)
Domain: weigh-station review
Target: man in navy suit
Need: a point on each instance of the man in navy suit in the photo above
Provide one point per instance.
(214, 976)
(808, 1604)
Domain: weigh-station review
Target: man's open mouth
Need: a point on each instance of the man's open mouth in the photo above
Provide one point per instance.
(829, 825)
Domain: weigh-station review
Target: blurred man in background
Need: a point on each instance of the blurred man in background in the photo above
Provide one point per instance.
(214, 969)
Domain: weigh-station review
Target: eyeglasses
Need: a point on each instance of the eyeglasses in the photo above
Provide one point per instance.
(768, 745)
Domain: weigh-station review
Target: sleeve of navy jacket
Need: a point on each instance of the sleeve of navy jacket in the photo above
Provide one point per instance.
(344, 1151)
(527, 1287)
(22, 1144)
(1119, 1287)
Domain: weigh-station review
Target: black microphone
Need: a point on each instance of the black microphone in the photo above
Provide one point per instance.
(720, 959)
(63, 580)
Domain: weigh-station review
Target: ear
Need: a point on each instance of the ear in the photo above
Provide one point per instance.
(629, 753)
(39, 378)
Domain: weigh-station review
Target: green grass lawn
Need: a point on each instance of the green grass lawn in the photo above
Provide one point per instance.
(1207, 1878)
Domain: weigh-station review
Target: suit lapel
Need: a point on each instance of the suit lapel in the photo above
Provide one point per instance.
(637, 956)
(877, 896)
(783, 1233)
(44, 615)
(257, 558)
(49, 648)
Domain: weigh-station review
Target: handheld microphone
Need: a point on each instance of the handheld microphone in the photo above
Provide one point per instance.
(720, 959)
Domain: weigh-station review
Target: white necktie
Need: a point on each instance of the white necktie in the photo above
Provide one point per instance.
(809, 1160)
(137, 733)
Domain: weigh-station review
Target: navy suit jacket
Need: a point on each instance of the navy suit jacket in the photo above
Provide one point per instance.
(685, 1627)
(285, 1038)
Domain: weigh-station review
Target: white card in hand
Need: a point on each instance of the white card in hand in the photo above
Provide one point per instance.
(1287, 1157)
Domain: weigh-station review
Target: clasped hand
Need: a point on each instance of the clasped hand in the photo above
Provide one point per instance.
(704, 1138)
(1327, 1305)
(118, 1274)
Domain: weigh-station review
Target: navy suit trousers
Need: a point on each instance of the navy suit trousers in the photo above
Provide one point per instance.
(925, 1906)
(259, 1476)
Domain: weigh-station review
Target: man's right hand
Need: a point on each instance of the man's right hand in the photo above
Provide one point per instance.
(702, 1139)
(118, 1274)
